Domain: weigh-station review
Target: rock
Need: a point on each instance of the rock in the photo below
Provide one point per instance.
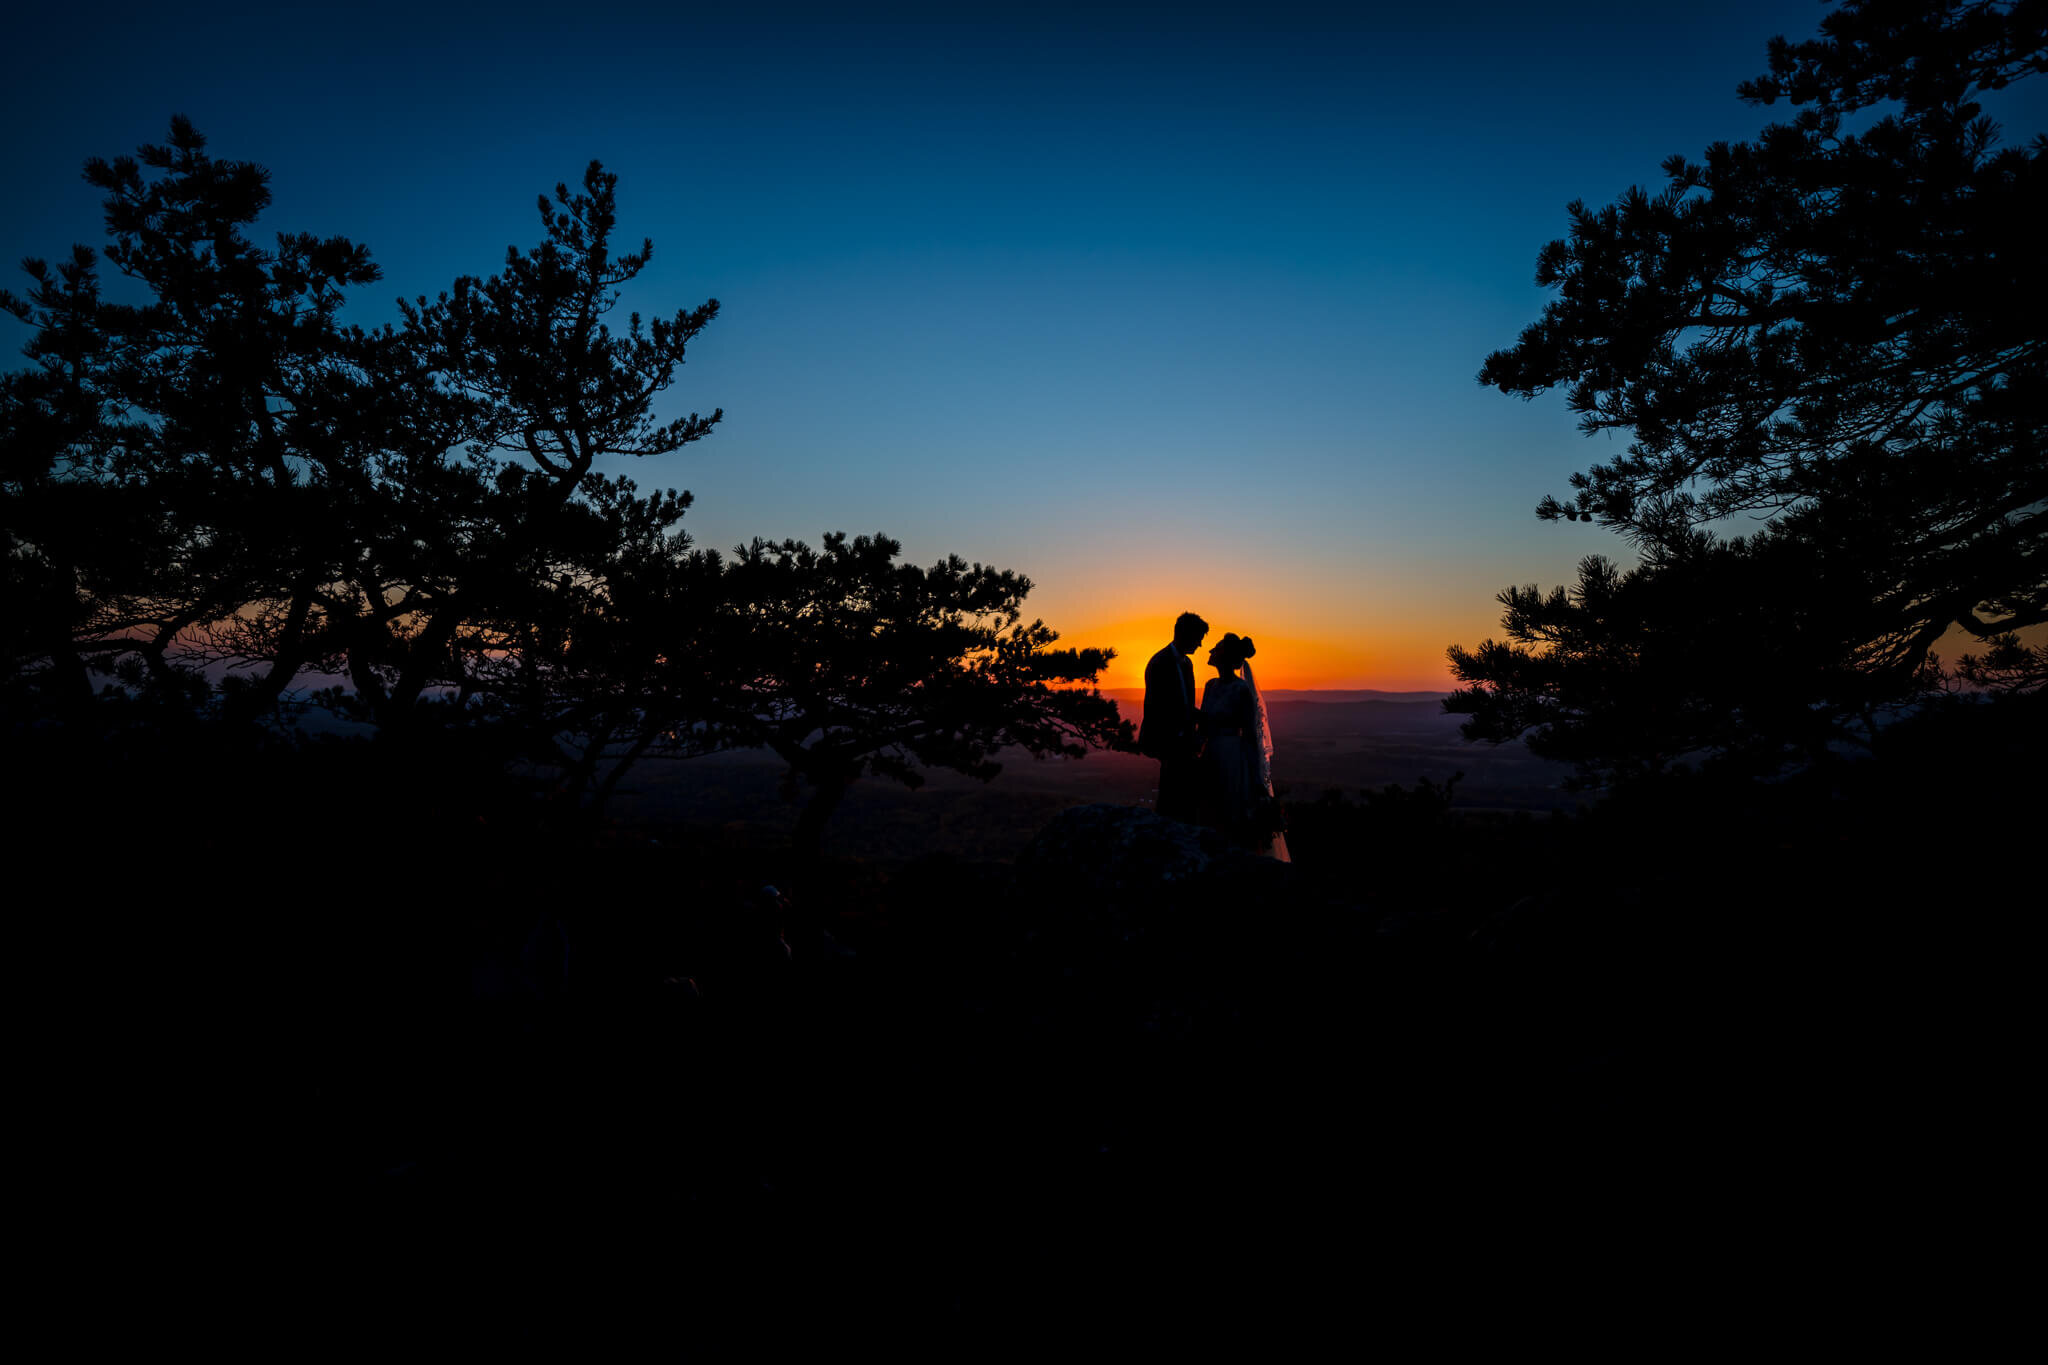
(1108, 853)
(1134, 869)
(1554, 927)
(1418, 929)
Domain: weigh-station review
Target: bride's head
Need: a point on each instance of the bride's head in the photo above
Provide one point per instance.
(1230, 653)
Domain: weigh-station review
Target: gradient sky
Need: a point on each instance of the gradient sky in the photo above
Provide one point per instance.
(1165, 308)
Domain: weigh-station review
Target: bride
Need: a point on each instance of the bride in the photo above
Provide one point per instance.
(1239, 755)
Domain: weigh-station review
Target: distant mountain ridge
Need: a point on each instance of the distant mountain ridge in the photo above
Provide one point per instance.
(1136, 695)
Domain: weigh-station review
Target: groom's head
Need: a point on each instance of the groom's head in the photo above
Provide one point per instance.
(1188, 632)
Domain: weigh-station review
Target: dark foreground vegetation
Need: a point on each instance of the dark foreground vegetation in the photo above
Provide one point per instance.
(485, 1020)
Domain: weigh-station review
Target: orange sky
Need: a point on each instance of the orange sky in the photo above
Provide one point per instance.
(1376, 621)
(1385, 645)
(1395, 659)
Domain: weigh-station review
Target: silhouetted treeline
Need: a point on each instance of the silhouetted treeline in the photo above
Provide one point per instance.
(1834, 329)
(224, 505)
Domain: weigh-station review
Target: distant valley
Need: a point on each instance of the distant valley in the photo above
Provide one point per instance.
(1322, 740)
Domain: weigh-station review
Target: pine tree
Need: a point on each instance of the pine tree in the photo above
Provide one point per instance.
(845, 663)
(1831, 330)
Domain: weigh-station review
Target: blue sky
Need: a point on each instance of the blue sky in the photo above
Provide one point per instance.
(1162, 307)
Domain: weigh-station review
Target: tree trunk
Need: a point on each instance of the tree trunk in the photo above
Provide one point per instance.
(290, 655)
(649, 731)
(810, 826)
(75, 691)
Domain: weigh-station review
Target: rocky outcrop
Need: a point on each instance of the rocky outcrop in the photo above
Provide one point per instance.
(1111, 851)
(1135, 869)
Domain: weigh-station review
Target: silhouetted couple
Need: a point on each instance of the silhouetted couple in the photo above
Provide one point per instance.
(1216, 755)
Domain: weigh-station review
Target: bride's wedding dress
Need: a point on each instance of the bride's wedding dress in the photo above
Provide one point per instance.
(1240, 755)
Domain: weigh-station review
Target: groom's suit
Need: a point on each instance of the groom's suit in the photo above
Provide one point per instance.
(1170, 731)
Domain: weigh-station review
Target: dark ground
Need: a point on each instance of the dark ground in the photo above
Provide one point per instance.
(1319, 746)
(420, 1014)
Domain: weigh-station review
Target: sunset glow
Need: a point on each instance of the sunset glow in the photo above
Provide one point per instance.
(1163, 318)
(1387, 661)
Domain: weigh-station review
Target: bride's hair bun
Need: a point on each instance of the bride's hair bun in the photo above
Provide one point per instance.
(1247, 647)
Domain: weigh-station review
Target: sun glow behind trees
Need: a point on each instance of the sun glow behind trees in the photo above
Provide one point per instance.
(1158, 314)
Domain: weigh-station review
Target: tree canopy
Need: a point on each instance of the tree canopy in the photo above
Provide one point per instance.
(845, 662)
(215, 493)
(222, 503)
(1833, 329)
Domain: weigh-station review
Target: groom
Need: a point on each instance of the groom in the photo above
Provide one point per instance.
(1169, 731)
